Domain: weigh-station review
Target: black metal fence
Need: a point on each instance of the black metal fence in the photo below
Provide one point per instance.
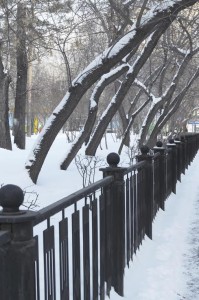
(78, 247)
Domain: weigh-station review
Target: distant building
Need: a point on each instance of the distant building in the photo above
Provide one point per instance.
(193, 121)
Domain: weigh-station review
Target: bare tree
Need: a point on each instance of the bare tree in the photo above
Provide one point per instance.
(21, 85)
(156, 20)
(5, 140)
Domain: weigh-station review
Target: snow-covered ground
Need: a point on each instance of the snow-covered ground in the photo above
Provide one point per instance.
(165, 268)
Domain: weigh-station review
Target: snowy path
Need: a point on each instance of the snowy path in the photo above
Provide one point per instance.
(167, 268)
(191, 261)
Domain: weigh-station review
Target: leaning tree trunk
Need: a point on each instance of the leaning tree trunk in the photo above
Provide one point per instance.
(174, 106)
(29, 96)
(89, 124)
(165, 99)
(123, 90)
(21, 85)
(5, 140)
(124, 122)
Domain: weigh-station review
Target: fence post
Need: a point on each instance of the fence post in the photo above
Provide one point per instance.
(183, 143)
(173, 146)
(188, 138)
(17, 264)
(149, 187)
(115, 232)
(179, 158)
(162, 172)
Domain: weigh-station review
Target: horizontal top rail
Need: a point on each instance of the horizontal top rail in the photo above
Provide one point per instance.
(4, 237)
(135, 167)
(65, 202)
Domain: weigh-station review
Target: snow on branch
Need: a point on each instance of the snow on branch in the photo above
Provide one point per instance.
(105, 80)
(122, 91)
(178, 99)
(166, 99)
(144, 88)
(164, 7)
(88, 126)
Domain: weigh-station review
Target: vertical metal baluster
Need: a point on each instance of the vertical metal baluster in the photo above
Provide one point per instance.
(37, 285)
(102, 246)
(49, 262)
(132, 213)
(76, 255)
(63, 255)
(95, 247)
(86, 251)
(135, 214)
(108, 210)
(138, 210)
(127, 225)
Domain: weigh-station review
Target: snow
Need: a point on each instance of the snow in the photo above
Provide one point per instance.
(103, 79)
(128, 38)
(158, 7)
(154, 99)
(107, 53)
(117, 47)
(164, 268)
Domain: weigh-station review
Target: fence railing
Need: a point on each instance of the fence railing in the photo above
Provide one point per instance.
(78, 247)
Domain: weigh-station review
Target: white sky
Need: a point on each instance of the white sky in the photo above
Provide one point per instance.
(165, 268)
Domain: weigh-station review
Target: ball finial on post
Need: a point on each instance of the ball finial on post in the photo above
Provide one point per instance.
(11, 197)
(159, 143)
(113, 159)
(144, 149)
